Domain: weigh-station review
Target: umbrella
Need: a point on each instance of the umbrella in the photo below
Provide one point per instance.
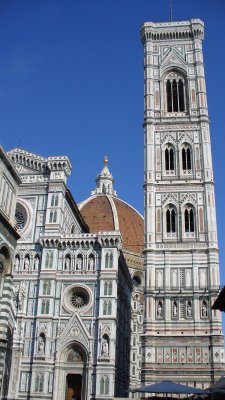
(219, 386)
(169, 387)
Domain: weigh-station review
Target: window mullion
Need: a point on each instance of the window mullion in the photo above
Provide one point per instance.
(178, 97)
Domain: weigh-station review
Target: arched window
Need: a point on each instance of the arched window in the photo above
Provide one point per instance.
(170, 220)
(107, 260)
(55, 216)
(49, 259)
(47, 287)
(39, 383)
(107, 308)
(111, 260)
(169, 159)
(104, 385)
(107, 386)
(54, 200)
(45, 307)
(110, 289)
(105, 288)
(186, 158)
(189, 224)
(51, 217)
(175, 93)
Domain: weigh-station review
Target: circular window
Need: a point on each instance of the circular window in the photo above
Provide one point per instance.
(20, 218)
(78, 297)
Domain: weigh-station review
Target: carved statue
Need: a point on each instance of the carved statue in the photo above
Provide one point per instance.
(41, 345)
(175, 309)
(204, 310)
(67, 263)
(91, 263)
(79, 263)
(36, 263)
(159, 309)
(26, 263)
(16, 263)
(105, 347)
(189, 309)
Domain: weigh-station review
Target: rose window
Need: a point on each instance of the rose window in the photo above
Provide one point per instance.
(20, 218)
(79, 298)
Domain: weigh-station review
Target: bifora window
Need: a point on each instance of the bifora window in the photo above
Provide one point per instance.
(175, 93)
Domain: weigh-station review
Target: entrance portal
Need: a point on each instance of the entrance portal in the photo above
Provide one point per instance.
(74, 387)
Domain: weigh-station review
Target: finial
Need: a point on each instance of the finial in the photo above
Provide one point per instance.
(106, 160)
(171, 10)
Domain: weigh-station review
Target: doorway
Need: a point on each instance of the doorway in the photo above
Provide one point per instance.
(73, 387)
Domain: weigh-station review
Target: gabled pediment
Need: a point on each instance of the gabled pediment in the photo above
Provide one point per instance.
(76, 331)
(173, 58)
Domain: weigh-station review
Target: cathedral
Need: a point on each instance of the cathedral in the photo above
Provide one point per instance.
(95, 299)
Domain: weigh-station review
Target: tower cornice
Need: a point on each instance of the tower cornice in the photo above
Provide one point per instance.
(175, 30)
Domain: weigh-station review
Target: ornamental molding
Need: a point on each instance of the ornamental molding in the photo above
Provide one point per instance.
(83, 241)
(75, 331)
(172, 60)
(179, 188)
(185, 137)
(188, 198)
(169, 138)
(170, 198)
(177, 127)
(31, 161)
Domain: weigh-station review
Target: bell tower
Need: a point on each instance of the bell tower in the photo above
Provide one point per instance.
(181, 332)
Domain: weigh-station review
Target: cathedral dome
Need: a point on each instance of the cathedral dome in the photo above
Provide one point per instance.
(104, 211)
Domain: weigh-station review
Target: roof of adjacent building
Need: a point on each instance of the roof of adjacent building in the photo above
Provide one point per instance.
(219, 304)
(104, 211)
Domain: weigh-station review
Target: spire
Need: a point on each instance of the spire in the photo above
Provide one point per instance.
(104, 181)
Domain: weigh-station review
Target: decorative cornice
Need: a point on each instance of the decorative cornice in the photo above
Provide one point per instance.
(177, 30)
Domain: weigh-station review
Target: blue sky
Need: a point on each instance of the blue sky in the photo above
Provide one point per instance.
(71, 83)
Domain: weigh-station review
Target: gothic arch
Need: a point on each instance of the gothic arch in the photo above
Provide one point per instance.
(5, 259)
(170, 212)
(186, 157)
(175, 90)
(189, 219)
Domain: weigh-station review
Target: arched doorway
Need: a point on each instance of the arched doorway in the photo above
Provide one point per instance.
(74, 379)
